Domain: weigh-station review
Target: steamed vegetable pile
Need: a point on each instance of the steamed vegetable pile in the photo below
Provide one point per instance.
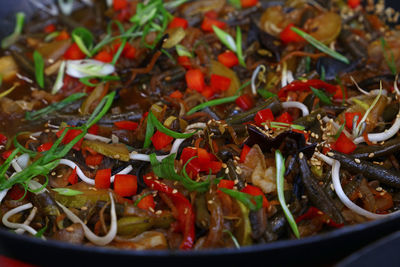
(198, 124)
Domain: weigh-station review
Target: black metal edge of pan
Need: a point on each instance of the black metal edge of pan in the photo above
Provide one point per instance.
(316, 250)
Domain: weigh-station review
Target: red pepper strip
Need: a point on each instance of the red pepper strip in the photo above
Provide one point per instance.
(185, 215)
(304, 86)
(313, 212)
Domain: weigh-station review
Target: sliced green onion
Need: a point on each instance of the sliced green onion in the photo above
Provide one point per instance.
(235, 3)
(149, 132)
(88, 68)
(276, 124)
(86, 80)
(239, 51)
(12, 38)
(23, 149)
(360, 103)
(67, 191)
(321, 95)
(60, 79)
(339, 132)
(239, 91)
(165, 130)
(39, 68)
(182, 51)
(51, 36)
(280, 172)
(391, 62)
(141, 197)
(225, 38)
(323, 73)
(174, 4)
(211, 103)
(6, 92)
(254, 203)
(34, 115)
(265, 93)
(191, 185)
(235, 242)
(4, 167)
(84, 39)
(41, 232)
(320, 46)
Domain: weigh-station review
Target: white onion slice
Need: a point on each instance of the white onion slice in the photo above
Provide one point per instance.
(295, 104)
(88, 67)
(254, 78)
(95, 239)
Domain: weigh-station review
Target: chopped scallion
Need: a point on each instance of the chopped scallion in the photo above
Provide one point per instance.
(67, 191)
(12, 38)
(39, 68)
(211, 103)
(321, 95)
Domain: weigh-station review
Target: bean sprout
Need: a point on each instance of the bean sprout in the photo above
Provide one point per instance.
(14, 211)
(295, 104)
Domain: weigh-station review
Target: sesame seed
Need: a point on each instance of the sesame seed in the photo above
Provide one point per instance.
(117, 156)
(69, 229)
(174, 191)
(379, 189)
(158, 212)
(357, 160)
(226, 171)
(224, 165)
(210, 202)
(53, 173)
(84, 208)
(151, 209)
(331, 154)
(371, 155)
(301, 155)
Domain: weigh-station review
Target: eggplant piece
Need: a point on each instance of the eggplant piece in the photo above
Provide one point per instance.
(132, 225)
(258, 220)
(357, 47)
(202, 213)
(369, 152)
(267, 41)
(390, 112)
(374, 81)
(367, 169)
(316, 193)
(311, 119)
(333, 67)
(234, 176)
(276, 227)
(271, 103)
(72, 234)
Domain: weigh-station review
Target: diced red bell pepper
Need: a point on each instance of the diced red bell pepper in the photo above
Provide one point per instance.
(344, 144)
(349, 117)
(288, 36)
(215, 166)
(224, 183)
(185, 217)
(176, 94)
(125, 185)
(94, 129)
(71, 134)
(161, 140)
(193, 168)
(64, 35)
(262, 116)
(188, 153)
(94, 160)
(220, 83)
(212, 14)
(339, 93)
(245, 102)
(147, 203)
(195, 80)
(313, 212)
(126, 125)
(45, 147)
(16, 192)
(129, 51)
(184, 61)
(119, 4)
(50, 28)
(6, 154)
(73, 177)
(353, 3)
(3, 139)
(248, 3)
(304, 86)
(228, 59)
(255, 191)
(74, 53)
(203, 156)
(102, 180)
(208, 24)
(104, 56)
(285, 117)
(208, 92)
(177, 22)
(243, 154)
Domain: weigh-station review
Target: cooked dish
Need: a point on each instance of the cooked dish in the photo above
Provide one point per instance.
(198, 124)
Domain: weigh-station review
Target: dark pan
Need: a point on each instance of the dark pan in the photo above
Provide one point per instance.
(324, 249)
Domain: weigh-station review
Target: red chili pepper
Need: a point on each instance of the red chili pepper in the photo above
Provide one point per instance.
(94, 160)
(94, 129)
(285, 117)
(184, 61)
(74, 52)
(214, 166)
(3, 139)
(255, 191)
(219, 83)
(223, 183)
(147, 203)
(208, 92)
(185, 217)
(45, 147)
(313, 212)
(248, 3)
(288, 36)
(264, 115)
(119, 4)
(208, 24)
(243, 154)
(229, 59)
(339, 93)
(73, 177)
(304, 86)
(212, 14)
(244, 101)
(177, 22)
(129, 51)
(353, 3)
(203, 156)
(195, 80)
(64, 35)
(176, 94)
(125, 185)
(71, 134)
(50, 28)
(344, 144)
(6, 154)
(161, 140)
(193, 168)
(126, 125)
(104, 56)
(16, 192)
(102, 179)
(349, 117)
